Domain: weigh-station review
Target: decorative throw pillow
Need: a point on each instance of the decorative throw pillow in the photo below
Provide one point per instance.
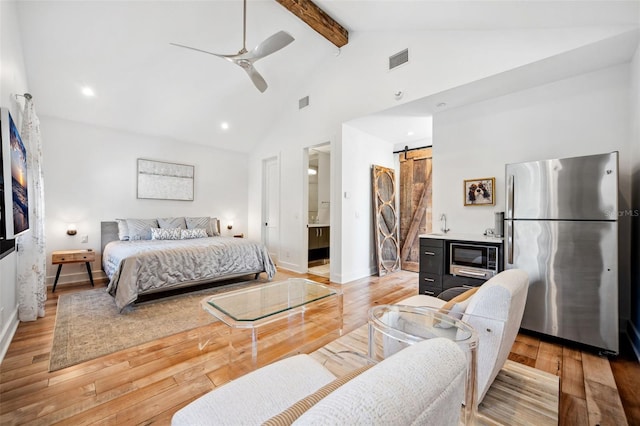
(458, 310)
(172, 222)
(140, 229)
(213, 229)
(457, 306)
(123, 230)
(165, 233)
(188, 234)
(206, 223)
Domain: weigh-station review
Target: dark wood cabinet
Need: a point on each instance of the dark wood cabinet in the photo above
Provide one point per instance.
(319, 237)
(450, 281)
(432, 266)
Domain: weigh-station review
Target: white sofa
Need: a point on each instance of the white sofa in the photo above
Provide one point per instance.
(422, 384)
(495, 312)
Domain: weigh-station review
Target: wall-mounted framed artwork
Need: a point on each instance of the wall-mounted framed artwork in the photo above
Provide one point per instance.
(13, 181)
(480, 192)
(159, 180)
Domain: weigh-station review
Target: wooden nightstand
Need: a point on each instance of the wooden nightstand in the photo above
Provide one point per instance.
(72, 256)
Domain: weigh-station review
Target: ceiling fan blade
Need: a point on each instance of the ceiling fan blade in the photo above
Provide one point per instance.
(269, 46)
(255, 76)
(203, 51)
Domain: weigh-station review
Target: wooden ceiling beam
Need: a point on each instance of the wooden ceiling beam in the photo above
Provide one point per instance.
(317, 19)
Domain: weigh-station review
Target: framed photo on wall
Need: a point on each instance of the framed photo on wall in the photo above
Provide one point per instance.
(479, 192)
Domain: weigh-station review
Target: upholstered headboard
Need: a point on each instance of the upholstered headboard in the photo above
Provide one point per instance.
(108, 233)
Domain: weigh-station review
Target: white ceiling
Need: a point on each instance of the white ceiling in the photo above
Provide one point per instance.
(143, 85)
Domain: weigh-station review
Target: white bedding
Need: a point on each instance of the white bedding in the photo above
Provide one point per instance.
(145, 266)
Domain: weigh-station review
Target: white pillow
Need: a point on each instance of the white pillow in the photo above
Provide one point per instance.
(123, 230)
(140, 229)
(172, 222)
(207, 223)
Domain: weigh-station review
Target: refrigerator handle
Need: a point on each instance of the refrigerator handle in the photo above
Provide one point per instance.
(510, 194)
(510, 242)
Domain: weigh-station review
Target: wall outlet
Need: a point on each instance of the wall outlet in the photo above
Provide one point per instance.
(85, 239)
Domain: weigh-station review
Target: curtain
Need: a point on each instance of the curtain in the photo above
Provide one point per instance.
(31, 257)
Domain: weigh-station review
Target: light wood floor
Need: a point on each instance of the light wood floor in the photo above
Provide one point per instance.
(148, 383)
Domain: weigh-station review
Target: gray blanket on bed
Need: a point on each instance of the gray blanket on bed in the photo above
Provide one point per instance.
(139, 267)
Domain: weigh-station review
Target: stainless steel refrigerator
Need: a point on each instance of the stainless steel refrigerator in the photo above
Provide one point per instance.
(561, 228)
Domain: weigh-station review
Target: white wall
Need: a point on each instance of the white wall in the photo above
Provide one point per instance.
(360, 151)
(634, 329)
(357, 83)
(13, 80)
(583, 115)
(90, 176)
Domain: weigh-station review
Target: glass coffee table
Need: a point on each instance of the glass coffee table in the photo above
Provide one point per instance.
(394, 327)
(272, 313)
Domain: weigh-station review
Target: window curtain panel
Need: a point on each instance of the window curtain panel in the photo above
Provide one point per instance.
(31, 257)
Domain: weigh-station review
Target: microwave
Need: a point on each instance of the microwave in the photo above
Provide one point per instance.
(473, 260)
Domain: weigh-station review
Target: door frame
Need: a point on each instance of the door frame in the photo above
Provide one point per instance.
(265, 200)
(305, 202)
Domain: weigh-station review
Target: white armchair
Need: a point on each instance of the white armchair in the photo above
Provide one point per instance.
(495, 312)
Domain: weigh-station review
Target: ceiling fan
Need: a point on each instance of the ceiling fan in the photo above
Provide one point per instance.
(245, 59)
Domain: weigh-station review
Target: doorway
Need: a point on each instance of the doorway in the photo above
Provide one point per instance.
(319, 210)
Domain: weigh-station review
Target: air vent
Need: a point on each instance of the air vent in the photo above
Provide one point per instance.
(398, 59)
(303, 102)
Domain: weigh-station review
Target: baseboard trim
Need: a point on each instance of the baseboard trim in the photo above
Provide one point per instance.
(77, 278)
(353, 276)
(291, 267)
(8, 332)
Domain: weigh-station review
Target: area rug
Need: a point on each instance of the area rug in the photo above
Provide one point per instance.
(89, 325)
(519, 395)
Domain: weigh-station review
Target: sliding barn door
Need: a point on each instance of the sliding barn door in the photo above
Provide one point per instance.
(415, 204)
(385, 220)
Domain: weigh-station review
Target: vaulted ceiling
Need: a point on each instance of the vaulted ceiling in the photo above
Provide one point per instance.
(142, 84)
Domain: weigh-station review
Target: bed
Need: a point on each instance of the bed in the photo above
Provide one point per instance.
(142, 267)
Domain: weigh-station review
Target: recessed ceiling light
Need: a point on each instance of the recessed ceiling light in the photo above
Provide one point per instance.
(224, 125)
(88, 91)
(441, 105)
(410, 133)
